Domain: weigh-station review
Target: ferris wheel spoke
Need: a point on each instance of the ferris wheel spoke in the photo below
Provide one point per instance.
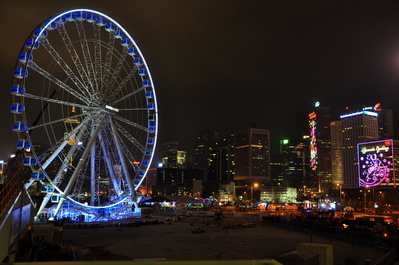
(57, 121)
(118, 68)
(72, 52)
(128, 95)
(108, 162)
(129, 137)
(122, 84)
(108, 58)
(57, 82)
(134, 109)
(61, 102)
(86, 54)
(126, 121)
(121, 157)
(64, 66)
(97, 57)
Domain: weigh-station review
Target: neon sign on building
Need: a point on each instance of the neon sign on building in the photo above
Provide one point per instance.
(376, 163)
(313, 140)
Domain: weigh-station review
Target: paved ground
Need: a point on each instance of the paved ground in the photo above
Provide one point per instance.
(229, 241)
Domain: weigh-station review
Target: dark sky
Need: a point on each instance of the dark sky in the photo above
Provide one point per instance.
(230, 63)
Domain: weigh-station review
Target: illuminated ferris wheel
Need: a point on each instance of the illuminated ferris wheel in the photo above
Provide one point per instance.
(85, 114)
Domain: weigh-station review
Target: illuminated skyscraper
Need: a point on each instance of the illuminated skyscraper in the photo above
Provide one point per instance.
(336, 154)
(320, 147)
(252, 156)
(221, 163)
(172, 157)
(295, 163)
(357, 127)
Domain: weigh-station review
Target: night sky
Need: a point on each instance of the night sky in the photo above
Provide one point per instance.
(228, 64)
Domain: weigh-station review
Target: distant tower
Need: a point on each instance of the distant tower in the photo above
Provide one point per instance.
(337, 154)
(221, 163)
(295, 163)
(201, 156)
(357, 127)
(172, 157)
(252, 156)
(320, 146)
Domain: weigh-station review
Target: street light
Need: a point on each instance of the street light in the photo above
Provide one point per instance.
(255, 185)
(340, 198)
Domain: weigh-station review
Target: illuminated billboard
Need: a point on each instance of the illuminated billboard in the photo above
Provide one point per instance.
(313, 141)
(376, 163)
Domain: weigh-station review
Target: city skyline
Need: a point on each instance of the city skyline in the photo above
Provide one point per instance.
(229, 66)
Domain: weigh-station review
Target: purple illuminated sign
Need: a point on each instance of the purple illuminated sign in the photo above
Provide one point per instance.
(376, 165)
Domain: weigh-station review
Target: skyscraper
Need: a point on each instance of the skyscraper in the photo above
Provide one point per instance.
(221, 164)
(336, 153)
(252, 156)
(320, 147)
(357, 127)
(202, 155)
(295, 163)
(172, 157)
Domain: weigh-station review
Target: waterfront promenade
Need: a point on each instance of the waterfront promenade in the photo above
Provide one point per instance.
(228, 239)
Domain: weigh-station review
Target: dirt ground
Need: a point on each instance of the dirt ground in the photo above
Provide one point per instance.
(199, 239)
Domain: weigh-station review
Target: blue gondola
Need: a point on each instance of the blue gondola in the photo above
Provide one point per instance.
(91, 18)
(32, 44)
(50, 26)
(136, 182)
(30, 161)
(151, 128)
(20, 73)
(126, 43)
(23, 144)
(147, 83)
(23, 57)
(151, 106)
(145, 163)
(17, 108)
(149, 94)
(138, 61)
(47, 188)
(19, 127)
(141, 173)
(37, 176)
(101, 21)
(60, 20)
(118, 34)
(143, 72)
(148, 152)
(150, 141)
(70, 16)
(79, 15)
(41, 33)
(17, 90)
(55, 198)
(110, 27)
(132, 51)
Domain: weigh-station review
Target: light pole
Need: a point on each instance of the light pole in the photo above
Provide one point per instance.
(255, 185)
(340, 198)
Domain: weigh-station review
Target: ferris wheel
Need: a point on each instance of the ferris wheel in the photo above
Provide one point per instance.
(85, 112)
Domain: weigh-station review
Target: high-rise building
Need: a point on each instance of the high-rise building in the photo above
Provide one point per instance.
(172, 157)
(221, 159)
(336, 154)
(357, 127)
(295, 163)
(320, 147)
(251, 156)
(201, 156)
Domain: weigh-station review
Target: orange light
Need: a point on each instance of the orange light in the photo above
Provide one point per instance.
(136, 163)
(385, 235)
